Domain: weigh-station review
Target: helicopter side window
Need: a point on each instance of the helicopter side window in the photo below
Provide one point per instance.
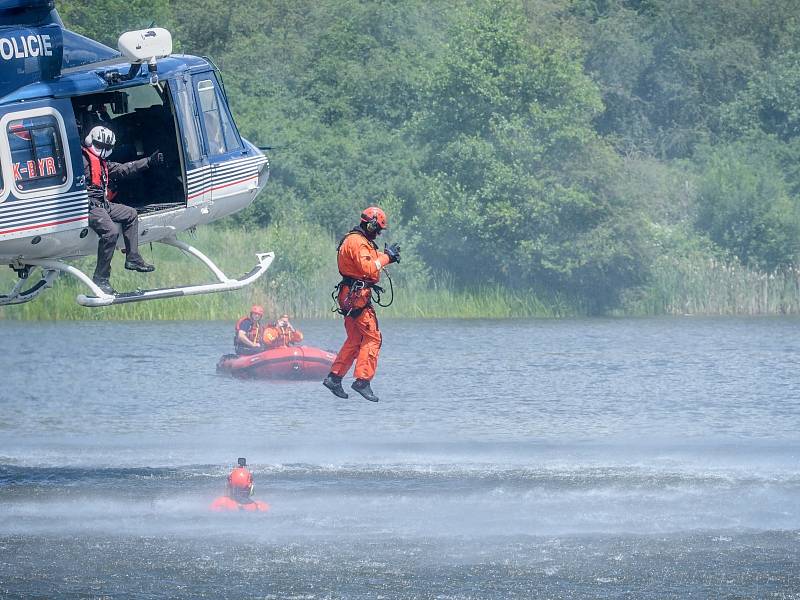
(37, 153)
(220, 133)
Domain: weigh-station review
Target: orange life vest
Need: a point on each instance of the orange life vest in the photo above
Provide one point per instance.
(225, 503)
(254, 335)
(98, 174)
(275, 336)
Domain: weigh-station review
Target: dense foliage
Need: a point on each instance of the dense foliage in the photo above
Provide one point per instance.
(567, 147)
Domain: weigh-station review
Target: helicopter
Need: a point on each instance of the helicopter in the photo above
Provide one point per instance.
(55, 85)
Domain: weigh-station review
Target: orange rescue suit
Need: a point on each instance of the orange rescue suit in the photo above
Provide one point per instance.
(359, 261)
(277, 337)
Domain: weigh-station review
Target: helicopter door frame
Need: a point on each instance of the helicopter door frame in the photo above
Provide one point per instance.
(197, 169)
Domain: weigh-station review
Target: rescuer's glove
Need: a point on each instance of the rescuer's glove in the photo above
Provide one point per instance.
(156, 159)
(393, 252)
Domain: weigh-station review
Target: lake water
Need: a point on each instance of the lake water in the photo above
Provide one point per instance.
(630, 458)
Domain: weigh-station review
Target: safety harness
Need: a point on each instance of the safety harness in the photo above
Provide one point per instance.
(357, 285)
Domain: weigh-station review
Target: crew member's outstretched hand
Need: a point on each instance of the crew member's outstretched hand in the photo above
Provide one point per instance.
(393, 252)
(156, 159)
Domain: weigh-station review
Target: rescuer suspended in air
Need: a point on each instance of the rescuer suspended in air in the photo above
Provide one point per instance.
(360, 264)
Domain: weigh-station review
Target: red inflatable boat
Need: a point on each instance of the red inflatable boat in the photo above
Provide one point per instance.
(288, 362)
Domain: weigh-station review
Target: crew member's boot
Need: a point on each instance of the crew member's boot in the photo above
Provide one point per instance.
(104, 285)
(137, 263)
(362, 387)
(334, 384)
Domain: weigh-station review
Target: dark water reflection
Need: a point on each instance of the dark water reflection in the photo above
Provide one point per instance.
(610, 458)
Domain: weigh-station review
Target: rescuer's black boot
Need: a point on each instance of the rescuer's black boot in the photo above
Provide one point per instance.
(138, 264)
(104, 285)
(334, 384)
(362, 387)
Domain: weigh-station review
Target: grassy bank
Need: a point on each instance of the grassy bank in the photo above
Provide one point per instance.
(300, 282)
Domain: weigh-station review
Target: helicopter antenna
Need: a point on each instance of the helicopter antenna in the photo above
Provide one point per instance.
(281, 147)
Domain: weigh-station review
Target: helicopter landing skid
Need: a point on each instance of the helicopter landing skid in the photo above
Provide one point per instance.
(100, 298)
(19, 296)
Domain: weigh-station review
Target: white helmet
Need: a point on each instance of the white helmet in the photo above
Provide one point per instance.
(100, 141)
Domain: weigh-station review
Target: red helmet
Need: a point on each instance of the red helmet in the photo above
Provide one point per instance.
(257, 309)
(374, 216)
(240, 477)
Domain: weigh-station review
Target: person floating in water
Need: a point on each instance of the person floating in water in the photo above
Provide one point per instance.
(249, 333)
(238, 492)
(360, 264)
(281, 333)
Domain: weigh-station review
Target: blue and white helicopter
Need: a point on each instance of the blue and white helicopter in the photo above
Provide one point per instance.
(55, 85)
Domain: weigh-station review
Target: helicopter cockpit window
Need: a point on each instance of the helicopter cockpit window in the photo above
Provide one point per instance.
(220, 134)
(37, 153)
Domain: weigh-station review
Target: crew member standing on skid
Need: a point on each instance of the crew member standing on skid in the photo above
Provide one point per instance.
(104, 214)
(360, 264)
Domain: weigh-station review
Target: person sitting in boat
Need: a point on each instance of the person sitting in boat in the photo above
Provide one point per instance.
(239, 492)
(282, 333)
(250, 332)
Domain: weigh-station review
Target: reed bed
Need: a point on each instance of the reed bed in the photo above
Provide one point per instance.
(301, 279)
(708, 286)
(299, 282)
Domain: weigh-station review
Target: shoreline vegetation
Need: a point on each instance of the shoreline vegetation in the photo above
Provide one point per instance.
(301, 279)
(536, 158)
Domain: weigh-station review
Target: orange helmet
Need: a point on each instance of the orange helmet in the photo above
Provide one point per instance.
(257, 309)
(374, 217)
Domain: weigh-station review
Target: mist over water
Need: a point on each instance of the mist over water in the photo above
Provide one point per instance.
(653, 458)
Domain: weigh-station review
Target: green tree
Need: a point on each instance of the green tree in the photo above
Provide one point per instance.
(521, 184)
(105, 20)
(745, 206)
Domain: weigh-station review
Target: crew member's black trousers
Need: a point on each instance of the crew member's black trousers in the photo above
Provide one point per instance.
(101, 220)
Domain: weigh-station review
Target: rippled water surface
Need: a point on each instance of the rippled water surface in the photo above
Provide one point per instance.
(654, 458)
